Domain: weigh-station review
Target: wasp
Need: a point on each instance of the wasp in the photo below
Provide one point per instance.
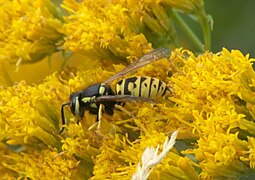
(130, 89)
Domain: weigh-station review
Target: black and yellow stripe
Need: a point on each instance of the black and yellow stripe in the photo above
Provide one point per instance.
(141, 86)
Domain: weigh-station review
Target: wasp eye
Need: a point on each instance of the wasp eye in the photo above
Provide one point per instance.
(72, 96)
(73, 102)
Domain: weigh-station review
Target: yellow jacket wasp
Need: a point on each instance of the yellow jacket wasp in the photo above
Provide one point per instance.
(129, 89)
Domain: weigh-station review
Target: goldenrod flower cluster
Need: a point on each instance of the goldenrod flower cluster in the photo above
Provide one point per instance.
(212, 102)
(29, 30)
(216, 93)
(211, 105)
(134, 25)
(121, 28)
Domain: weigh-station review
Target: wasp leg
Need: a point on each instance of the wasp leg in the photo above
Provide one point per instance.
(121, 108)
(99, 117)
(63, 117)
(97, 124)
(93, 126)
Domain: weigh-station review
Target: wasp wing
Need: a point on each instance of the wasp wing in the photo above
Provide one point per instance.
(152, 56)
(123, 98)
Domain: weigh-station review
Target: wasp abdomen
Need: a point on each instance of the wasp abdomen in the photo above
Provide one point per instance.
(141, 86)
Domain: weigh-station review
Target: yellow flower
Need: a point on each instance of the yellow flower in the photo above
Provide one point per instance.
(215, 88)
(123, 29)
(93, 29)
(212, 101)
(28, 115)
(218, 151)
(249, 155)
(5, 172)
(46, 164)
(119, 158)
(30, 32)
(209, 104)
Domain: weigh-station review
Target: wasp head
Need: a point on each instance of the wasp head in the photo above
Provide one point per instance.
(76, 105)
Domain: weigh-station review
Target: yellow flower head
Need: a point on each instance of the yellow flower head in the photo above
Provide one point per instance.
(214, 89)
(23, 113)
(211, 105)
(120, 156)
(93, 28)
(30, 32)
(47, 164)
(119, 28)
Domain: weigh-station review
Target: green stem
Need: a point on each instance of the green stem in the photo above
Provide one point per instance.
(189, 33)
(205, 23)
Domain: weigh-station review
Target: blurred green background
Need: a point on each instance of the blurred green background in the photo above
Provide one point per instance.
(234, 24)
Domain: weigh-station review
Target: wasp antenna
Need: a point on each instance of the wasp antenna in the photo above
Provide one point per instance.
(63, 117)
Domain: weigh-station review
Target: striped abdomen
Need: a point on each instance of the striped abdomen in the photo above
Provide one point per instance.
(140, 86)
